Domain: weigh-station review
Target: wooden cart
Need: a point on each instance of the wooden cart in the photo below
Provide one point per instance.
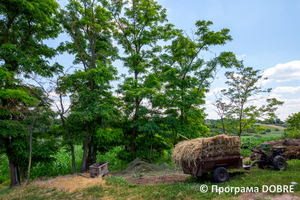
(216, 164)
(99, 169)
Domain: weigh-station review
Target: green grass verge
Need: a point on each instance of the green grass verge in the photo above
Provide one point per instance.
(119, 188)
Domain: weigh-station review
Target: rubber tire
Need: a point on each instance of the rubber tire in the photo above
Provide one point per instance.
(278, 161)
(221, 175)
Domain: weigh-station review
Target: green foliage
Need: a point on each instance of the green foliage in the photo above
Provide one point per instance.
(263, 132)
(138, 175)
(23, 55)
(293, 126)
(4, 169)
(268, 130)
(237, 115)
(276, 129)
(112, 157)
(93, 106)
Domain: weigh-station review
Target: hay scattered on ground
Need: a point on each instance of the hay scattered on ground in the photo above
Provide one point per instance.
(71, 183)
(187, 152)
(139, 166)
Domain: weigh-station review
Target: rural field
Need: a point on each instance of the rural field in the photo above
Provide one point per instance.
(179, 99)
(151, 181)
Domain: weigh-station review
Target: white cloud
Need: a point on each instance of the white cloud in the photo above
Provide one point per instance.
(284, 72)
(66, 105)
(287, 89)
(214, 91)
(240, 56)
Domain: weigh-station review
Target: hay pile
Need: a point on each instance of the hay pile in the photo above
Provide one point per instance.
(70, 183)
(187, 152)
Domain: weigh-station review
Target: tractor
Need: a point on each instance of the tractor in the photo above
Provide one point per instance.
(269, 156)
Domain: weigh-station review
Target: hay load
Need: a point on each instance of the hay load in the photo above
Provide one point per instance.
(187, 152)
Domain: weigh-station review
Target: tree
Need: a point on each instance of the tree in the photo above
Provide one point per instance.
(244, 86)
(140, 25)
(68, 136)
(187, 76)
(24, 26)
(293, 126)
(92, 104)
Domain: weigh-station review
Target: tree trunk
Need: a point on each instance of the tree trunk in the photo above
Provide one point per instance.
(14, 174)
(22, 174)
(73, 159)
(85, 150)
(94, 154)
(88, 161)
(151, 147)
(133, 136)
(29, 165)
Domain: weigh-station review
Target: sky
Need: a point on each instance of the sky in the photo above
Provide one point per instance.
(265, 36)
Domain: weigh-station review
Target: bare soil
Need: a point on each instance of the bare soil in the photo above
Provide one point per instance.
(292, 148)
(157, 180)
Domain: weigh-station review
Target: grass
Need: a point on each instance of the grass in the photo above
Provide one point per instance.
(119, 188)
(63, 164)
(272, 134)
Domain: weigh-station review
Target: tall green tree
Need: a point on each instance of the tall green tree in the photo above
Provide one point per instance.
(187, 76)
(240, 98)
(293, 126)
(92, 103)
(23, 27)
(140, 25)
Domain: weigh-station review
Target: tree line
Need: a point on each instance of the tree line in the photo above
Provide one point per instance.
(162, 94)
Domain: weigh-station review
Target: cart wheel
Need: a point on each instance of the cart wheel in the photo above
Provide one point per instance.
(221, 175)
(279, 163)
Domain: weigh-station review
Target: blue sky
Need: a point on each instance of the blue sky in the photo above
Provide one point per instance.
(265, 35)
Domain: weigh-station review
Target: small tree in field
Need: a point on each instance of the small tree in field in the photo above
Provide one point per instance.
(243, 90)
(293, 126)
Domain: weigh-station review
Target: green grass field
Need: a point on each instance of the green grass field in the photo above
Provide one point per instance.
(273, 133)
(119, 188)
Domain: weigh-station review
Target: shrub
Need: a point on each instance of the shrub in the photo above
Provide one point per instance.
(276, 129)
(293, 134)
(263, 133)
(257, 136)
(268, 130)
(246, 134)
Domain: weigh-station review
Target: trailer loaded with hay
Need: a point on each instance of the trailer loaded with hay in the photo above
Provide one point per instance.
(215, 154)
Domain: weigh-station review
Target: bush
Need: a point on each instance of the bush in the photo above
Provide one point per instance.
(263, 133)
(246, 134)
(257, 136)
(292, 134)
(268, 130)
(276, 129)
